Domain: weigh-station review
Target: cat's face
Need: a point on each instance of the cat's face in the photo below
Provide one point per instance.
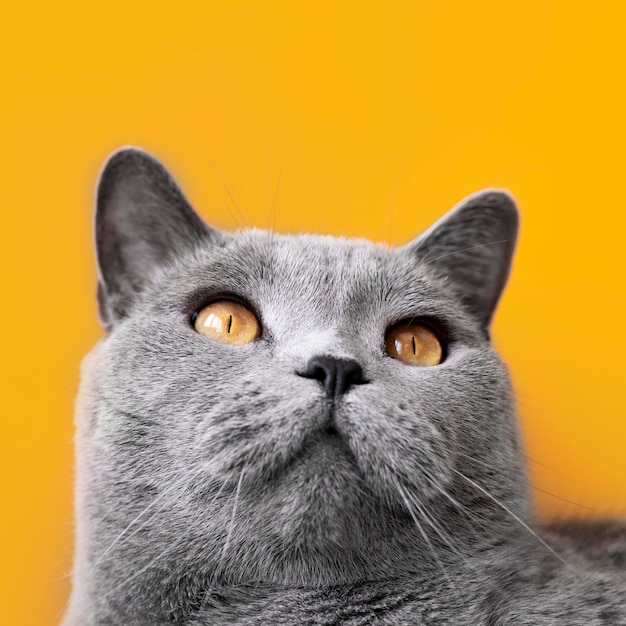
(249, 467)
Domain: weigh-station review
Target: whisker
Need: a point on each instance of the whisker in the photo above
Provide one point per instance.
(458, 505)
(231, 526)
(230, 195)
(553, 495)
(169, 549)
(182, 538)
(476, 459)
(131, 524)
(436, 527)
(401, 210)
(126, 538)
(422, 532)
(57, 382)
(274, 206)
(549, 493)
(393, 202)
(183, 485)
(268, 206)
(238, 218)
(512, 514)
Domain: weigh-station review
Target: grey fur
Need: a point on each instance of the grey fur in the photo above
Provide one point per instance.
(207, 491)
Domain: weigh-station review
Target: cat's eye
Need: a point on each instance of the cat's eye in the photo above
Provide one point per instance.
(414, 344)
(227, 321)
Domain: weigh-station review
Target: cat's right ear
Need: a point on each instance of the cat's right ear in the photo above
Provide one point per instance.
(142, 222)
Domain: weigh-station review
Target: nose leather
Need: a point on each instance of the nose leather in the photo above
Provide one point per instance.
(336, 375)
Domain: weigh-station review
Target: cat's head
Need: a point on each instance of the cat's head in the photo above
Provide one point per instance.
(292, 407)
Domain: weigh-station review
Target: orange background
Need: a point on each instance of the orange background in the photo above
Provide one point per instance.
(335, 117)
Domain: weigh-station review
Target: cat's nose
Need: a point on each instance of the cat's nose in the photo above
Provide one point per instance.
(336, 375)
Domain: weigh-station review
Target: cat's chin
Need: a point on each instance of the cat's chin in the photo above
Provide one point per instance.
(342, 545)
(318, 521)
(322, 474)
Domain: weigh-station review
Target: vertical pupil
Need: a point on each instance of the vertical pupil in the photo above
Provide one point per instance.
(230, 323)
(413, 341)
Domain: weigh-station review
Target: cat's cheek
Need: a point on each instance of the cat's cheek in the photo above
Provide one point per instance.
(148, 367)
(407, 427)
(397, 445)
(259, 431)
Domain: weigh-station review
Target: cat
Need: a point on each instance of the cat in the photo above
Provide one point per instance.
(298, 429)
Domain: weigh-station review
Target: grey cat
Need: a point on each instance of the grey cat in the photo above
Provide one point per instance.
(309, 430)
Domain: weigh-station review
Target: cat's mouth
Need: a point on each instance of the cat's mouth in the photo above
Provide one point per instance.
(328, 442)
(331, 430)
(324, 452)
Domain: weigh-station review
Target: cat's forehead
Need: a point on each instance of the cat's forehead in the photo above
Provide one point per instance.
(326, 250)
(302, 261)
(324, 256)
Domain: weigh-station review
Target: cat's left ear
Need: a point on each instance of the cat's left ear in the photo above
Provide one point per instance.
(143, 221)
(472, 247)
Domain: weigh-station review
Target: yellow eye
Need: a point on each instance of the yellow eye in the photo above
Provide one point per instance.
(227, 321)
(414, 344)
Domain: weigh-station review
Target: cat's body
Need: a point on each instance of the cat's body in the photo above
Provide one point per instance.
(222, 484)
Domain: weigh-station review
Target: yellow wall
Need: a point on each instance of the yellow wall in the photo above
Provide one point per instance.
(375, 121)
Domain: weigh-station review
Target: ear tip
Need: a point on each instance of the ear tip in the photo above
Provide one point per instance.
(499, 200)
(126, 156)
(492, 196)
(126, 163)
